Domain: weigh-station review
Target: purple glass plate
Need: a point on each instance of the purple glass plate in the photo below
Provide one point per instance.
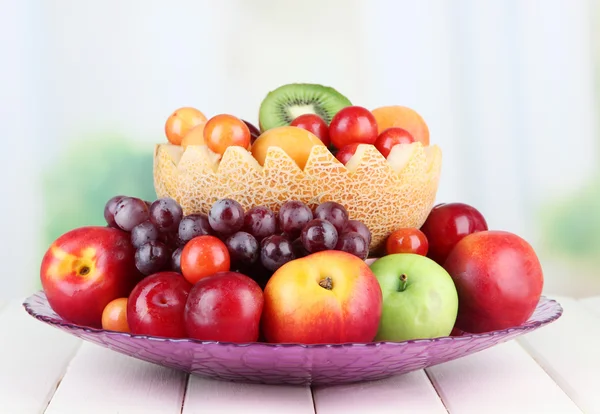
(293, 363)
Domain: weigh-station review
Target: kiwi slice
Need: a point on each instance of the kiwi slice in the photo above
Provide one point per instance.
(281, 106)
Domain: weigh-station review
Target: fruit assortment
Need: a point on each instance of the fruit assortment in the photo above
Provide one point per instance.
(311, 145)
(259, 265)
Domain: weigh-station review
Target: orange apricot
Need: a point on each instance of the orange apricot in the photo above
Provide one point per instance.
(397, 116)
(223, 131)
(296, 142)
(195, 136)
(114, 316)
(181, 121)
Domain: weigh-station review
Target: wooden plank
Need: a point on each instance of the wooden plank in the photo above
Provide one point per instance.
(502, 379)
(568, 351)
(592, 304)
(33, 358)
(410, 393)
(210, 396)
(102, 381)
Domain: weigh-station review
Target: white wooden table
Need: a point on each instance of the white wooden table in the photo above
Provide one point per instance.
(553, 370)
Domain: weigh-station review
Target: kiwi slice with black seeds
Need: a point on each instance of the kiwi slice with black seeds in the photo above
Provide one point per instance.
(282, 105)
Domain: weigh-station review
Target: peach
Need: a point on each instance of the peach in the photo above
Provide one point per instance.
(295, 142)
(326, 297)
(85, 269)
(397, 116)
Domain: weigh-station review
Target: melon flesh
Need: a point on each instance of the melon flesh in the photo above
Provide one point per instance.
(385, 194)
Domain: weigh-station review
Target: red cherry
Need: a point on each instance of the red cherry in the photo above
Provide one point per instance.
(407, 240)
(202, 257)
(353, 124)
(390, 137)
(314, 124)
(346, 152)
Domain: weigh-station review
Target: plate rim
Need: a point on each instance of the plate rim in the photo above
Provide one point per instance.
(527, 326)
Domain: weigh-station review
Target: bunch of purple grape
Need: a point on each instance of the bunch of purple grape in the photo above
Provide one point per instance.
(258, 239)
(154, 229)
(259, 235)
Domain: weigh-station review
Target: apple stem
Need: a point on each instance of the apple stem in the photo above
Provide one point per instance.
(326, 283)
(84, 270)
(403, 279)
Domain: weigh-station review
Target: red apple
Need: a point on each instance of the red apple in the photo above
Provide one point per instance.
(224, 307)
(156, 305)
(447, 224)
(498, 278)
(85, 269)
(326, 297)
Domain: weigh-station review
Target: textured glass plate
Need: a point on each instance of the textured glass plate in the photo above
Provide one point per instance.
(293, 364)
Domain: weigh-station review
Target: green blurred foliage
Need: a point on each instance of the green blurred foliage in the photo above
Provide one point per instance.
(571, 225)
(77, 184)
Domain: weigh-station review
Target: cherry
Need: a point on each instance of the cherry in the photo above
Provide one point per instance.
(156, 305)
(346, 152)
(391, 137)
(203, 256)
(407, 240)
(447, 224)
(315, 124)
(351, 125)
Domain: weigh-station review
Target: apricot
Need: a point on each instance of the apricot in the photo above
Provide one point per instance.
(195, 136)
(397, 116)
(296, 142)
(181, 121)
(114, 316)
(223, 131)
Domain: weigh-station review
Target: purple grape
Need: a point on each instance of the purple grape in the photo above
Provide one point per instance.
(298, 248)
(243, 248)
(333, 212)
(130, 212)
(226, 216)
(319, 235)
(152, 257)
(194, 225)
(172, 240)
(275, 251)
(293, 216)
(143, 233)
(176, 260)
(360, 228)
(165, 214)
(353, 243)
(260, 221)
(109, 210)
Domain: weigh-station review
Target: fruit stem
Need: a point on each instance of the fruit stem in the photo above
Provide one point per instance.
(403, 279)
(326, 283)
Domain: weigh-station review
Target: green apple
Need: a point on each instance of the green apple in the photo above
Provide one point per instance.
(420, 300)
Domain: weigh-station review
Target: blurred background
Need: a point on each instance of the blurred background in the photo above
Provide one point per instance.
(509, 90)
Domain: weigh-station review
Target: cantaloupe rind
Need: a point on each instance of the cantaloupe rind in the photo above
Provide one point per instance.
(385, 194)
